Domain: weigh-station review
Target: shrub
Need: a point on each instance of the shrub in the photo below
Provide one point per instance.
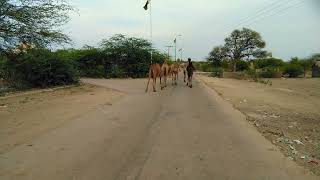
(270, 72)
(128, 56)
(252, 74)
(116, 72)
(217, 72)
(91, 63)
(269, 62)
(242, 65)
(39, 68)
(293, 70)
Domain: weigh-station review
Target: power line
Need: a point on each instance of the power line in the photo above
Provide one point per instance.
(274, 7)
(261, 10)
(297, 4)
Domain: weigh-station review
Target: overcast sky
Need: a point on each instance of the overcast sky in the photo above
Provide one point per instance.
(290, 27)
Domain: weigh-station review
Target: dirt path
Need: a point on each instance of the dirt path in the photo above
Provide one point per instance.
(179, 133)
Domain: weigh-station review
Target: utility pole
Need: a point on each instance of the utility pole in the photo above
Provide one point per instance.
(169, 51)
(151, 30)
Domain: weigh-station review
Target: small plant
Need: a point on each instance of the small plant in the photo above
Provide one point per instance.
(217, 72)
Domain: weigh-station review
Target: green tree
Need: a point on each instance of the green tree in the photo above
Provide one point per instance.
(35, 22)
(244, 43)
(268, 62)
(128, 56)
(306, 64)
(315, 57)
(216, 56)
(293, 68)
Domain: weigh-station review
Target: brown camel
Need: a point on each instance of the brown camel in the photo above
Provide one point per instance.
(174, 71)
(154, 73)
(164, 73)
(183, 66)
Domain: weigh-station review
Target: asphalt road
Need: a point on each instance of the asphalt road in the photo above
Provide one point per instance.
(178, 133)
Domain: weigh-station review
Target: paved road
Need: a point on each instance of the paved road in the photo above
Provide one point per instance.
(179, 133)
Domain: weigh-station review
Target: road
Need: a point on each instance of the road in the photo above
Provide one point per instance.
(178, 133)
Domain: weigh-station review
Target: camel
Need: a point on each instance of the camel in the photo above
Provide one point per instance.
(154, 73)
(174, 71)
(183, 66)
(165, 69)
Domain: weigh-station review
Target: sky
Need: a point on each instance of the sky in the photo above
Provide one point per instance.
(291, 28)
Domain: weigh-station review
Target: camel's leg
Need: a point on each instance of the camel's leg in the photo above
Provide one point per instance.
(165, 80)
(148, 85)
(166, 76)
(172, 76)
(154, 84)
(177, 79)
(148, 80)
(190, 85)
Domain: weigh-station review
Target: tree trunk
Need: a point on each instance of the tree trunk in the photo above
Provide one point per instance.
(235, 66)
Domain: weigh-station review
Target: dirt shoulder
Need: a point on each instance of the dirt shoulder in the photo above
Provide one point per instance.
(286, 113)
(25, 116)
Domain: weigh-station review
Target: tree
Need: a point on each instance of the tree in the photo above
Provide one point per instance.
(268, 63)
(242, 44)
(216, 56)
(305, 64)
(315, 57)
(35, 22)
(128, 56)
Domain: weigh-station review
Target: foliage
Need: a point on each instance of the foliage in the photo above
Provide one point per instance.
(315, 57)
(252, 74)
(33, 22)
(244, 43)
(128, 56)
(296, 64)
(217, 72)
(203, 66)
(270, 72)
(38, 68)
(268, 62)
(242, 65)
(293, 70)
(240, 45)
(216, 56)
